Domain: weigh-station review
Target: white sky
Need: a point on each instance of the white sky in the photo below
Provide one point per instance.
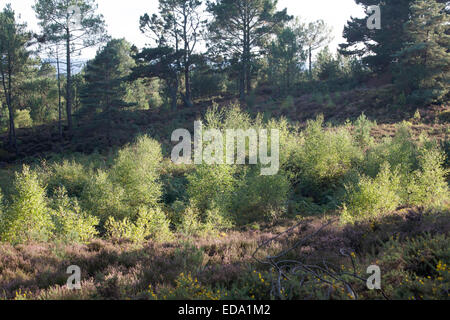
(122, 17)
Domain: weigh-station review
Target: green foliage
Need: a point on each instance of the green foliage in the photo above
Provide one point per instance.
(288, 103)
(72, 225)
(259, 197)
(102, 198)
(322, 159)
(418, 267)
(400, 152)
(14, 59)
(228, 20)
(177, 25)
(327, 66)
(211, 185)
(207, 83)
(252, 285)
(428, 185)
(235, 192)
(105, 89)
(23, 119)
(1, 208)
(372, 197)
(362, 134)
(424, 66)
(416, 177)
(377, 46)
(420, 166)
(150, 223)
(131, 182)
(187, 288)
(28, 218)
(190, 223)
(285, 57)
(71, 175)
(136, 170)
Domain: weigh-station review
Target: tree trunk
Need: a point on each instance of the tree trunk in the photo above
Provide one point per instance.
(249, 77)
(59, 98)
(310, 62)
(8, 95)
(248, 70)
(187, 58)
(187, 82)
(242, 83)
(69, 85)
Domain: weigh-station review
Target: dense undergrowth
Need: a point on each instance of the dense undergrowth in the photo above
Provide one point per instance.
(139, 201)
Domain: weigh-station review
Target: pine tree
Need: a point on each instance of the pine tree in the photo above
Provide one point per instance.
(105, 76)
(14, 40)
(59, 25)
(378, 47)
(179, 26)
(424, 68)
(286, 55)
(315, 35)
(240, 29)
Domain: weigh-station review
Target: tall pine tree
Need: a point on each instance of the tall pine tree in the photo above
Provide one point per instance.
(58, 20)
(424, 68)
(378, 47)
(240, 29)
(106, 87)
(14, 56)
(178, 26)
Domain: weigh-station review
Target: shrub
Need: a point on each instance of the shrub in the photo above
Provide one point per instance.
(259, 197)
(136, 171)
(211, 186)
(216, 220)
(190, 223)
(71, 175)
(400, 152)
(363, 128)
(372, 197)
(323, 158)
(71, 223)
(150, 223)
(23, 119)
(252, 285)
(27, 219)
(419, 267)
(103, 199)
(187, 288)
(207, 84)
(420, 167)
(429, 185)
(131, 183)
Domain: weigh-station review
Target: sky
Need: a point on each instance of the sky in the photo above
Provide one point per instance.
(122, 17)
